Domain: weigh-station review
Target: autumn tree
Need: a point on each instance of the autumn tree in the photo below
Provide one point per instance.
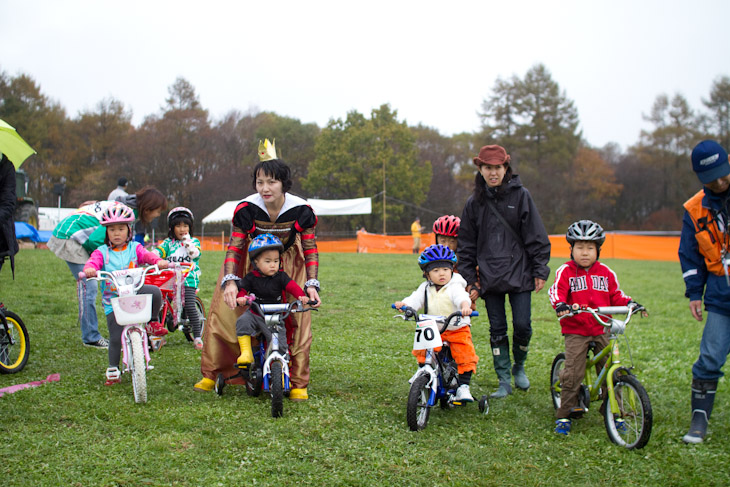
(665, 152)
(101, 136)
(538, 126)
(43, 124)
(719, 105)
(364, 157)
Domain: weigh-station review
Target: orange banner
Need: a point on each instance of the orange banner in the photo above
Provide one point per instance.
(617, 245)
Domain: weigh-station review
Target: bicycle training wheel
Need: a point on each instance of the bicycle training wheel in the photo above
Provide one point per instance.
(631, 427)
(557, 367)
(139, 367)
(14, 344)
(276, 388)
(418, 410)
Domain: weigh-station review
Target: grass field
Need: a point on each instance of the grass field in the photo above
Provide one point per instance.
(352, 431)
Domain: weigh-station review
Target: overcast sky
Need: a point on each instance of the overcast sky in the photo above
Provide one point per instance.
(434, 62)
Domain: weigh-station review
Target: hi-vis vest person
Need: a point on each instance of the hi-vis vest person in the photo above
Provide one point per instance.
(713, 243)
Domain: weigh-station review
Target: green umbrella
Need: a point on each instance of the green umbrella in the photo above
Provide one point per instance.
(13, 145)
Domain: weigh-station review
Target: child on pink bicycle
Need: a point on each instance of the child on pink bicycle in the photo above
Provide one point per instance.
(180, 247)
(117, 253)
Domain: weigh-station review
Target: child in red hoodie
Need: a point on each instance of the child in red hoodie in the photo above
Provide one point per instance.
(583, 281)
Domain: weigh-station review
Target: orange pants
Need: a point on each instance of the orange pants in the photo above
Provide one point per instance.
(462, 349)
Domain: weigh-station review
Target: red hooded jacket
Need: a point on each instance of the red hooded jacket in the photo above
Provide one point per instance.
(597, 286)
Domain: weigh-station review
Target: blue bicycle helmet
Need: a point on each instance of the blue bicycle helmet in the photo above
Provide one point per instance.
(437, 256)
(265, 241)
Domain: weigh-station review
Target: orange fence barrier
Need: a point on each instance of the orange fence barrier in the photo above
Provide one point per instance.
(617, 245)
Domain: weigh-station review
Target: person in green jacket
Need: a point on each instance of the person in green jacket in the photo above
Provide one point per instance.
(73, 240)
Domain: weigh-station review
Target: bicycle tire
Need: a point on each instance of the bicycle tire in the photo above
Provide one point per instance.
(634, 411)
(276, 389)
(220, 384)
(138, 366)
(417, 410)
(188, 329)
(555, 368)
(14, 357)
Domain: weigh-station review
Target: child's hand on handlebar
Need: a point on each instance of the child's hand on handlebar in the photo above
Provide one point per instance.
(399, 304)
(244, 300)
(562, 309)
(466, 308)
(162, 264)
(90, 272)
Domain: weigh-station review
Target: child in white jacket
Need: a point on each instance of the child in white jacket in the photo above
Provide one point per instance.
(443, 293)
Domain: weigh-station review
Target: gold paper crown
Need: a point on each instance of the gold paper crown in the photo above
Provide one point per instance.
(267, 150)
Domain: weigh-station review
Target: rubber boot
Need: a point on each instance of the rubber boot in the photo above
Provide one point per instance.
(703, 397)
(519, 353)
(502, 366)
(246, 357)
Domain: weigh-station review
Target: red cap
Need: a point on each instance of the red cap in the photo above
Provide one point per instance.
(492, 154)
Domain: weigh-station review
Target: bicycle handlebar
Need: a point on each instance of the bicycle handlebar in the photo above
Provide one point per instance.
(283, 309)
(600, 313)
(114, 275)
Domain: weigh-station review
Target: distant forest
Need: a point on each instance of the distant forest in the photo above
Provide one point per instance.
(200, 162)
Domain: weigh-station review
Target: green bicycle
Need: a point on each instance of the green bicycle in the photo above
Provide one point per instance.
(626, 409)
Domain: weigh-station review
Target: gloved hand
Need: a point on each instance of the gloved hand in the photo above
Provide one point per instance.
(562, 309)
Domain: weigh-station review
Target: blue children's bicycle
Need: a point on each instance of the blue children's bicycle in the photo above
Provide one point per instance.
(437, 379)
(270, 368)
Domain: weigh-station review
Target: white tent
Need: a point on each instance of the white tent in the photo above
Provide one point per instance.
(357, 206)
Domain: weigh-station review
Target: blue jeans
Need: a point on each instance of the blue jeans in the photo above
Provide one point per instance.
(714, 347)
(89, 322)
(521, 316)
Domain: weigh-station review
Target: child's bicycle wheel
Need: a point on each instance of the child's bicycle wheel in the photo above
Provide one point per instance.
(14, 344)
(138, 367)
(418, 410)
(631, 427)
(276, 388)
(187, 327)
(584, 397)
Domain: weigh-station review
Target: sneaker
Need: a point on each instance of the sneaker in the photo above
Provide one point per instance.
(113, 376)
(621, 426)
(156, 328)
(463, 394)
(562, 427)
(102, 343)
(198, 343)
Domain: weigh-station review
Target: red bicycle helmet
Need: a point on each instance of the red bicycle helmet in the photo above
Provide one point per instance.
(447, 225)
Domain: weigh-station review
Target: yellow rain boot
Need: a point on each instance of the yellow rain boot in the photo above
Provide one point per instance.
(298, 394)
(205, 385)
(246, 356)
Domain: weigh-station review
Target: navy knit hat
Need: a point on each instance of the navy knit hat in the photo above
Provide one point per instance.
(709, 161)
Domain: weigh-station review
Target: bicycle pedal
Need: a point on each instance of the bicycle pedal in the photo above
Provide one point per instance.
(243, 366)
(577, 413)
(457, 403)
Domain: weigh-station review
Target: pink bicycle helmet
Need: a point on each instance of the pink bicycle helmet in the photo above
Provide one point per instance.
(117, 214)
(447, 225)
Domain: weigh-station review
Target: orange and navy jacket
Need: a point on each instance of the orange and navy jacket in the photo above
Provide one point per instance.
(700, 250)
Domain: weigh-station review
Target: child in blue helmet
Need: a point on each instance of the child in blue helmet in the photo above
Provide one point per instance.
(443, 293)
(269, 284)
